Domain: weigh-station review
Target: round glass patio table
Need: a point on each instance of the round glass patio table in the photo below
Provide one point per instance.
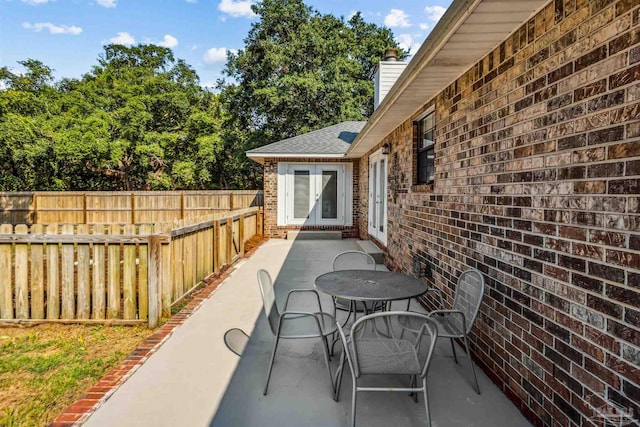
(370, 285)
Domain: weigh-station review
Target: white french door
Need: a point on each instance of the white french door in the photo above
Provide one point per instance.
(378, 196)
(315, 194)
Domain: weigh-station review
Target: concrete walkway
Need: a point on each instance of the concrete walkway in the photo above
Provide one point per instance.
(194, 380)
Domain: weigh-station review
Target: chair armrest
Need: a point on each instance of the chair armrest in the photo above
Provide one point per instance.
(296, 291)
(298, 314)
(458, 312)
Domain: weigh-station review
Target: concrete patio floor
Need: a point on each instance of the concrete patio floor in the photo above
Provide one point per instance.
(194, 380)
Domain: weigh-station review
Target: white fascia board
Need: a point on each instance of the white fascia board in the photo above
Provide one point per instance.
(294, 155)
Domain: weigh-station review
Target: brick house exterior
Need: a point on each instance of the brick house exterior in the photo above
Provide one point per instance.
(537, 185)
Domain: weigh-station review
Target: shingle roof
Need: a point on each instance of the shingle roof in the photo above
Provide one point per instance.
(332, 141)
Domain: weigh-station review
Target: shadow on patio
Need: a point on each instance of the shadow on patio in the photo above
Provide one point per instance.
(300, 392)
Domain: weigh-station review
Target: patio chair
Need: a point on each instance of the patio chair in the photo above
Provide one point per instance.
(236, 340)
(352, 260)
(294, 324)
(383, 352)
(458, 321)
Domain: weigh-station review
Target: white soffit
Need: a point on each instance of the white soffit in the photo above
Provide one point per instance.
(467, 32)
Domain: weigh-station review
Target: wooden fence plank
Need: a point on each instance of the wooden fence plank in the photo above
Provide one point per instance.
(21, 278)
(143, 275)
(129, 277)
(155, 269)
(216, 246)
(37, 275)
(99, 300)
(53, 282)
(68, 291)
(178, 269)
(84, 276)
(6, 296)
(188, 250)
(167, 271)
(113, 277)
(228, 230)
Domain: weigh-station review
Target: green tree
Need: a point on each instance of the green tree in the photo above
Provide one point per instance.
(137, 120)
(299, 71)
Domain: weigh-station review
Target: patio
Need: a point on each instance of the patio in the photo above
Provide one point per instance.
(194, 380)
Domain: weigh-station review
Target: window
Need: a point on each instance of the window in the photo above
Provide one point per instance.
(425, 135)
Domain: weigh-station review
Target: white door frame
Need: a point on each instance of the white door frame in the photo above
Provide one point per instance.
(285, 194)
(377, 220)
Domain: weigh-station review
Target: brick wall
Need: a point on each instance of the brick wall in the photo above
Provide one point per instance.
(538, 186)
(271, 227)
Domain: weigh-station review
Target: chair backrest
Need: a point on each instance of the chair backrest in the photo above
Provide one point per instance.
(353, 260)
(236, 340)
(468, 296)
(269, 299)
(377, 338)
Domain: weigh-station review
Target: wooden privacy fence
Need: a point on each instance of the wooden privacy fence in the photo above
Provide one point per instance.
(115, 274)
(118, 207)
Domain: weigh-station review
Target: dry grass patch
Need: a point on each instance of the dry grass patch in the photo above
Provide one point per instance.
(44, 369)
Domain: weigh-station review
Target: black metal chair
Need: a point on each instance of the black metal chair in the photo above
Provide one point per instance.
(457, 321)
(294, 324)
(383, 351)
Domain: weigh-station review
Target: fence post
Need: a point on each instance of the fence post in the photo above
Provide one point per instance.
(260, 221)
(229, 231)
(154, 257)
(241, 234)
(216, 246)
(182, 205)
(231, 201)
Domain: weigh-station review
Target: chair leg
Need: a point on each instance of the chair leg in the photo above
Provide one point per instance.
(339, 373)
(325, 348)
(453, 349)
(475, 377)
(353, 404)
(426, 401)
(273, 356)
(414, 384)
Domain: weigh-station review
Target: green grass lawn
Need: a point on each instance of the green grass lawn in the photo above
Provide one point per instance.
(44, 369)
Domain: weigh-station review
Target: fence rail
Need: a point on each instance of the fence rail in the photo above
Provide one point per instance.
(115, 207)
(99, 273)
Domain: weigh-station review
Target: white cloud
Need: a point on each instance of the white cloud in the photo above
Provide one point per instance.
(123, 38)
(168, 41)
(53, 29)
(434, 13)
(424, 26)
(237, 8)
(216, 54)
(35, 2)
(406, 41)
(107, 3)
(397, 18)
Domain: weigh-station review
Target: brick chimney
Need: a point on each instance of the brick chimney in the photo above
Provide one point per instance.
(388, 71)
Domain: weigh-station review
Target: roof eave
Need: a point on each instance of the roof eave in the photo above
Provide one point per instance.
(260, 157)
(389, 115)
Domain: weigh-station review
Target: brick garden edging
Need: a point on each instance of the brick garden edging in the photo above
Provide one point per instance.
(78, 413)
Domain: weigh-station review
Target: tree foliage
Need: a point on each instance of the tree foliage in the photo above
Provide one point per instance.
(299, 71)
(140, 120)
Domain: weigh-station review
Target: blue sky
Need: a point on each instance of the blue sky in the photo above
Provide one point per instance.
(68, 35)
